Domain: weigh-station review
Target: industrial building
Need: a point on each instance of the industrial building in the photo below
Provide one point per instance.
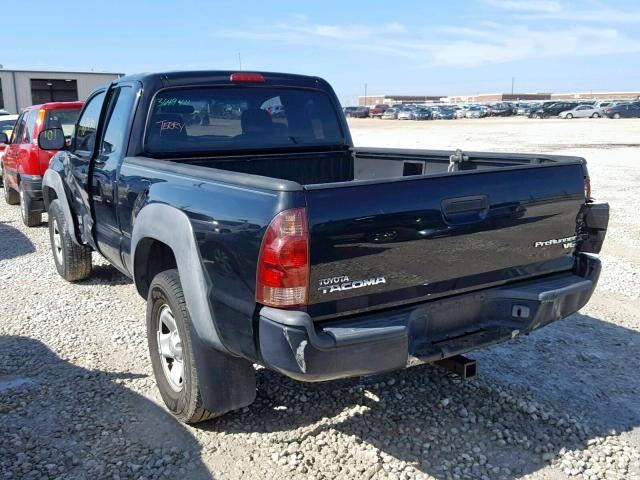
(370, 100)
(22, 88)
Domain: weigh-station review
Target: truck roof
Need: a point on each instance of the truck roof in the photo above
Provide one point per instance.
(208, 77)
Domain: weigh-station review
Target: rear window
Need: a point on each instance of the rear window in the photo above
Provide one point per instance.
(63, 118)
(206, 119)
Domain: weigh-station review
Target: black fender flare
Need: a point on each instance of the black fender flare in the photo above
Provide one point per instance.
(172, 227)
(53, 180)
(227, 382)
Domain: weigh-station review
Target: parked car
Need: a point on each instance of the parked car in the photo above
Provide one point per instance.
(423, 113)
(446, 113)
(258, 258)
(623, 110)
(582, 111)
(390, 114)
(474, 111)
(503, 109)
(378, 110)
(551, 109)
(24, 163)
(406, 115)
(7, 122)
(356, 112)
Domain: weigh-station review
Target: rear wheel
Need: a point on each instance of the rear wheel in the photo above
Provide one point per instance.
(73, 261)
(10, 195)
(30, 219)
(170, 347)
(616, 115)
(595, 115)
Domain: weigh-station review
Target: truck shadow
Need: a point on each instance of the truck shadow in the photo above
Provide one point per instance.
(105, 274)
(13, 243)
(536, 396)
(59, 420)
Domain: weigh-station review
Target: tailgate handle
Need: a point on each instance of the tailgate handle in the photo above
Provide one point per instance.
(465, 209)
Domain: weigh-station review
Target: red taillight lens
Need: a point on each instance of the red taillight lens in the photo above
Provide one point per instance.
(283, 266)
(246, 77)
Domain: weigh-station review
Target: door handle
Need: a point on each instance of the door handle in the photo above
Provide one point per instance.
(461, 210)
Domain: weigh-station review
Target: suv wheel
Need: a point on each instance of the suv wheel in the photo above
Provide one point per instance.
(616, 115)
(170, 347)
(73, 261)
(30, 219)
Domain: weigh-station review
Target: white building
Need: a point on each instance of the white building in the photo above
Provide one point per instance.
(22, 88)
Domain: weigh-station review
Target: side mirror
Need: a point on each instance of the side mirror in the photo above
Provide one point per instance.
(52, 139)
(4, 138)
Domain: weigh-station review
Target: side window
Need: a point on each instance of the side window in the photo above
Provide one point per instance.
(87, 126)
(30, 126)
(120, 107)
(16, 136)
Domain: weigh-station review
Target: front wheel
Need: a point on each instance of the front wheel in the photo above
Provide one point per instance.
(73, 261)
(569, 115)
(29, 218)
(171, 349)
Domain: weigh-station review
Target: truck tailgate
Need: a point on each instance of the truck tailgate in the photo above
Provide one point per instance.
(385, 243)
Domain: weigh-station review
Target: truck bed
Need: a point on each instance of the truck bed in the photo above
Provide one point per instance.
(317, 168)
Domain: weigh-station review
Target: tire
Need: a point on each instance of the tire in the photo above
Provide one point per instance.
(595, 115)
(176, 379)
(29, 218)
(616, 115)
(569, 116)
(73, 262)
(10, 195)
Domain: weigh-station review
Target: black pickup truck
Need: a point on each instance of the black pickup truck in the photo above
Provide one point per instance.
(258, 234)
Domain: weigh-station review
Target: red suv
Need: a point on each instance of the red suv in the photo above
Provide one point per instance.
(24, 163)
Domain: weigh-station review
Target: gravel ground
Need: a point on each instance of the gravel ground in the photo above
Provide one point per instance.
(78, 400)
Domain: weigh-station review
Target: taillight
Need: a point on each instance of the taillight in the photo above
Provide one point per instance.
(246, 77)
(283, 266)
(587, 187)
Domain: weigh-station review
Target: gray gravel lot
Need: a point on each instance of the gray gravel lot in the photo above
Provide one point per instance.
(78, 400)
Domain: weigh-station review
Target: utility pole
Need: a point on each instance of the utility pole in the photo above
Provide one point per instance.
(239, 60)
(513, 80)
(366, 100)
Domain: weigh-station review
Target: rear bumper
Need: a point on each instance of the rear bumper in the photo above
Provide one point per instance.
(32, 187)
(291, 343)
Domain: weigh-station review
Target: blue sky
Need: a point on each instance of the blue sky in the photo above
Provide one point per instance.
(410, 47)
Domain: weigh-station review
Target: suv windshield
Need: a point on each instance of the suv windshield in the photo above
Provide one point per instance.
(206, 119)
(62, 118)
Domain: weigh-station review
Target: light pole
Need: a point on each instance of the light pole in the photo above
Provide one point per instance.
(366, 100)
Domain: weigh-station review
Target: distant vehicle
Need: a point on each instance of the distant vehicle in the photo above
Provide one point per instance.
(502, 110)
(406, 115)
(356, 112)
(474, 111)
(24, 162)
(390, 114)
(377, 110)
(446, 113)
(7, 122)
(623, 110)
(551, 109)
(582, 111)
(423, 113)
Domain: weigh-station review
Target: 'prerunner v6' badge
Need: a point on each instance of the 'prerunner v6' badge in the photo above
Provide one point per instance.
(342, 283)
